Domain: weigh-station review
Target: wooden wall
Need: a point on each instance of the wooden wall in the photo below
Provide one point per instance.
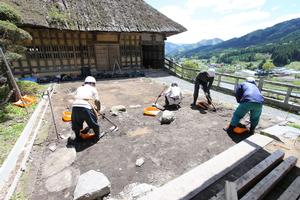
(54, 52)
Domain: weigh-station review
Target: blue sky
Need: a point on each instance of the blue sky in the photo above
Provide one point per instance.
(225, 19)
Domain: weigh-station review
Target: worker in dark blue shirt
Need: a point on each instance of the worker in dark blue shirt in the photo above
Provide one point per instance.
(251, 100)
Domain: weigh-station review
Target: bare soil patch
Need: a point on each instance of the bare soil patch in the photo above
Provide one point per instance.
(169, 150)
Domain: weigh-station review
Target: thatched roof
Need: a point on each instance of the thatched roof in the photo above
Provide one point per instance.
(95, 15)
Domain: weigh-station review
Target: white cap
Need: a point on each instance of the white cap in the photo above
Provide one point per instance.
(250, 79)
(90, 79)
(211, 72)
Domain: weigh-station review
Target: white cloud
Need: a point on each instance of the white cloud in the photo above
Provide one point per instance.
(225, 6)
(247, 17)
(275, 8)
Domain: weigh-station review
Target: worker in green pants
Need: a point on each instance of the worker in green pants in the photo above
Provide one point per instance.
(251, 100)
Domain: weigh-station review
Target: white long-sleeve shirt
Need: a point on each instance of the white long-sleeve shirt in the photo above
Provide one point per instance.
(174, 95)
(83, 94)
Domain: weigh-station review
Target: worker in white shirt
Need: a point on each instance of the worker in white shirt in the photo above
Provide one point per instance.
(173, 96)
(83, 109)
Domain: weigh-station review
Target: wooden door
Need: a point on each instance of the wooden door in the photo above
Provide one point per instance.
(106, 56)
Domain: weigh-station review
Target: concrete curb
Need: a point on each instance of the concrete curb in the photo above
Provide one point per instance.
(10, 164)
(196, 180)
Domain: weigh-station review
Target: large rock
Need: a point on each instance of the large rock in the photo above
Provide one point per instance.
(91, 185)
(65, 179)
(57, 161)
(167, 117)
(282, 132)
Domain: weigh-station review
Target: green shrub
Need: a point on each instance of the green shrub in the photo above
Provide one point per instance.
(12, 33)
(8, 13)
(29, 87)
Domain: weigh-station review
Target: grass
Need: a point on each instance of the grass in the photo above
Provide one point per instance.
(294, 65)
(13, 119)
(8, 137)
(295, 125)
(18, 196)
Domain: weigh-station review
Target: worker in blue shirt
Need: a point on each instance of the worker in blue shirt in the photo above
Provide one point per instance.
(251, 100)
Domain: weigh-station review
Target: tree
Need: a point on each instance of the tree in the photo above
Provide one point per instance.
(268, 66)
(260, 66)
(191, 64)
(11, 37)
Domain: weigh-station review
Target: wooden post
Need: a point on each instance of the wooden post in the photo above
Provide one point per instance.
(236, 83)
(261, 83)
(219, 80)
(230, 191)
(288, 94)
(292, 192)
(268, 182)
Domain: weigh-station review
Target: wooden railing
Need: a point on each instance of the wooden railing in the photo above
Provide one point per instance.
(281, 95)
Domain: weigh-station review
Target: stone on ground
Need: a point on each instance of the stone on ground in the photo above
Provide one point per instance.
(91, 185)
(167, 117)
(139, 162)
(57, 161)
(63, 180)
(282, 132)
(115, 110)
(135, 106)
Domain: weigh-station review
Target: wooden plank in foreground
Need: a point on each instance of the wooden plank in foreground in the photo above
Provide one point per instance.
(196, 180)
(267, 183)
(292, 192)
(230, 191)
(254, 174)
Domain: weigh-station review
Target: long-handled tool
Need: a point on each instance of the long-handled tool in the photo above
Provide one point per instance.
(155, 103)
(53, 118)
(114, 128)
(211, 103)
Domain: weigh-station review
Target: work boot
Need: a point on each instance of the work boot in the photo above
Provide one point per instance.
(230, 129)
(252, 130)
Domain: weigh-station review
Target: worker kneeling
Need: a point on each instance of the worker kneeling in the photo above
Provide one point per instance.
(251, 100)
(83, 110)
(173, 96)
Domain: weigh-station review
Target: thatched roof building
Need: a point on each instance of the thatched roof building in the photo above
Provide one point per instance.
(131, 30)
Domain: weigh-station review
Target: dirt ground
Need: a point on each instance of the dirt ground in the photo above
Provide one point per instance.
(169, 150)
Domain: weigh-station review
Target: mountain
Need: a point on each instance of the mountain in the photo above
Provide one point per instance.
(174, 49)
(279, 34)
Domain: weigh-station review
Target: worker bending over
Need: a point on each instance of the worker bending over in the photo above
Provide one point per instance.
(173, 96)
(83, 109)
(205, 79)
(251, 100)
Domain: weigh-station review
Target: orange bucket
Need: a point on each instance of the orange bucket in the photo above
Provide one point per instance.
(151, 111)
(240, 129)
(25, 101)
(203, 105)
(67, 116)
(87, 136)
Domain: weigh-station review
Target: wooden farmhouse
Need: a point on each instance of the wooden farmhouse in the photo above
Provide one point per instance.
(72, 36)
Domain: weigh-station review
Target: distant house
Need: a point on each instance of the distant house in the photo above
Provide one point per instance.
(71, 36)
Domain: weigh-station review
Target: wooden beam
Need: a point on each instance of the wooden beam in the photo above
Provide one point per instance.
(292, 192)
(247, 180)
(230, 191)
(266, 184)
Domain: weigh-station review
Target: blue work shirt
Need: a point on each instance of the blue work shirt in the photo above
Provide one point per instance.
(248, 92)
